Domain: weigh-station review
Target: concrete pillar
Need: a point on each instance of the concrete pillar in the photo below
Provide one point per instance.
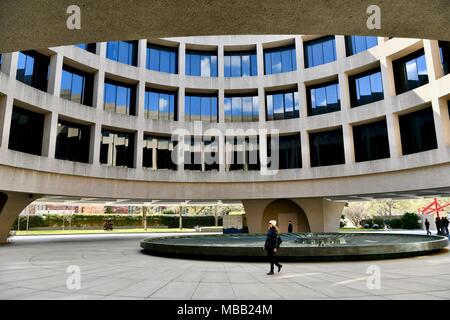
(138, 146)
(182, 59)
(341, 53)
(140, 99)
(261, 93)
(11, 204)
(180, 98)
(9, 63)
(94, 144)
(304, 139)
(101, 49)
(387, 75)
(6, 109)
(221, 101)
(220, 61)
(99, 84)
(49, 136)
(349, 149)
(142, 54)
(55, 74)
(393, 128)
(441, 122)
(433, 59)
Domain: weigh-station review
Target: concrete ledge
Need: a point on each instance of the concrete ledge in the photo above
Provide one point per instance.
(312, 246)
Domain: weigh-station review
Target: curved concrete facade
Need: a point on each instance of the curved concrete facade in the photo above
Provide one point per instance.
(104, 20)
(407, 174)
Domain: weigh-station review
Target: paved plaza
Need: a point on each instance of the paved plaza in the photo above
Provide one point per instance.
(113, 267)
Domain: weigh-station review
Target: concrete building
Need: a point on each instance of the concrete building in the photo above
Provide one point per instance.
(354, 118)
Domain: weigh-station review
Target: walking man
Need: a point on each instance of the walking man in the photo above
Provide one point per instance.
(427, 226)
(272, 245)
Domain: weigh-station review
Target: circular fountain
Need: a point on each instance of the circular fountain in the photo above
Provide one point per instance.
(296, 246)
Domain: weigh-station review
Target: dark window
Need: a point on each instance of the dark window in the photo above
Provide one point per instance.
(160, 105)
(120, 97)
(326, 148)
(323, 98)
(32, 69)
(282, 105)
(26, 133)
(320, 51)
(366, 88)
(157, 153)
(410, 72)
(1, 60)
(289, 151)
(90, 47)
(444, 47)
(211, 153)
(193, 153)
(240, 108)
(117, 149)
(77, 85)
(417, 131)
(279, 60)
(371, 141)
(163, 59)
(122, 51)
(72, 142)
(357, 44)
(201, 63)
(201, 108)
(240, 64)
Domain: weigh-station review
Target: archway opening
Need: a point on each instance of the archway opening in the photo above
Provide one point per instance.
(283, 211)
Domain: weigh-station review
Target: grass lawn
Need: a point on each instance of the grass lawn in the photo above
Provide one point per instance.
(101, 231)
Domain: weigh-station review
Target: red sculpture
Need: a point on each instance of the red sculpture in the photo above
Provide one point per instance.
(434, 206)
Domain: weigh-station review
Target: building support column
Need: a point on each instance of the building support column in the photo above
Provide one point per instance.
(11, 204)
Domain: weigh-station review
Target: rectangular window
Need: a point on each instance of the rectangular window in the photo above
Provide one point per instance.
(320, 51)
(122, 51)
(371, 141)
(326, 148)
(241, 108)
(289, 151)
(366, 88)
(193, 153)
(32, 69)
(117, 149)
(242, 153)
(240, 64)
(162, 59)
(72, 142)
(26, 132)
(282, 105)
(410, 72)
(120, 97)
(444, 47)
(157, 153)
(417, 131)
(90, 47)
(201, 63)
(160, 105)
(77, 85)
(201, 108)
(357, 44)
(323, 98)
(279, 60)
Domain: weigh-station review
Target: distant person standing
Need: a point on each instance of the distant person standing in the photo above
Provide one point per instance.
(427, 226)
(438, 225)
(290, 227)
(446, 225)
(271, 245)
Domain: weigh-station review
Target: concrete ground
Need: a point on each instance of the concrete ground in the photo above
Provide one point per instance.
(113, 267)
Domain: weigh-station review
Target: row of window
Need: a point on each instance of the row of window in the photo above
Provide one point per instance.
(371, 142)
(236, 64)
(410, 72)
